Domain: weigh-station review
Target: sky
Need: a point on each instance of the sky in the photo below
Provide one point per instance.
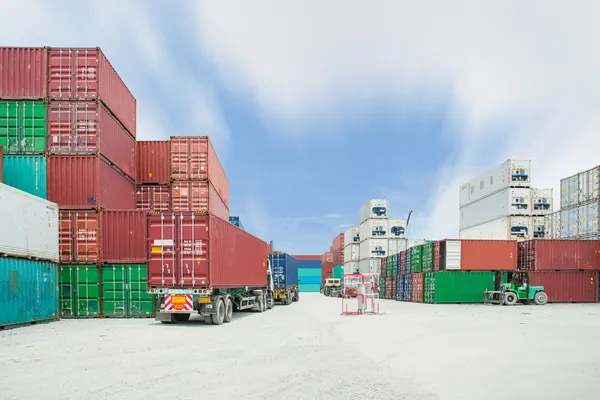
(315, 107)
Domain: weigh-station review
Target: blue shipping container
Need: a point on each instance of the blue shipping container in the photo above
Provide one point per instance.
(285, 270)
(236, 221)
(307, 280)
(309, 264)
(28, 291)
(26, 173)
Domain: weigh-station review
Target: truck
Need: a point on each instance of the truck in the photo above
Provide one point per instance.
(200, 263)
(285, 277)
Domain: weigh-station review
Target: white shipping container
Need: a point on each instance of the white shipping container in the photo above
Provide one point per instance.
(395, 246)
(588, 220)
(352, 252)
(506, 228)
(374, 228)
(511, 173)
(369, 266)
(28, 225)
(542, 202)
(538, 227)
(373, 248)
(505, 203)
(453, 254)
(416, 242)
(552, 226)
(569, 191)
(397, 228)
(580, 188)
(352, 235)
(569, 223)
(351, 267)
(374, 208)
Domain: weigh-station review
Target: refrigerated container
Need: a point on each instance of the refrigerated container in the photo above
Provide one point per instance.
(374, 208)
(580, 188)
(397, 245)
(369, 266)
(539, 255)
(30, 292)
(351, 267)
(79, 291)
(553, 226)
(23, 126)
(538, 228)
(508, 202)
(568, 286)
(580, 222)
(449, 287)
(124, 291)
(352, 252)
(88, 128)
(29, 225)
(153, 197)
(86, 74)
(26, 173)
(374, 228)
(370, 248)
(509, 174)
(23, 73)
(284, 269)
(397, 228)
(152, 161)
(505, 228)
(542, 201)
(478, 255)
(352, 235)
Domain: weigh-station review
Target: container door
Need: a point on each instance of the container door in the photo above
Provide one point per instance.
(453, 257)
(140, 302)
(114, 290)
(193, 247)
(162, 256)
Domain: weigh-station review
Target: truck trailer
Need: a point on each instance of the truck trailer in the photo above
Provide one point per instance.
(285, 277)
(199, 263)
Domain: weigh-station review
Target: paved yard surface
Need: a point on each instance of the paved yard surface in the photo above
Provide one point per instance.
(308, 351)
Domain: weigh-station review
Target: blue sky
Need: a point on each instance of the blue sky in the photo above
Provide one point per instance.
(314, 107)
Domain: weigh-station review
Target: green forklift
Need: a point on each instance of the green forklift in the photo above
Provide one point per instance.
(513, 287)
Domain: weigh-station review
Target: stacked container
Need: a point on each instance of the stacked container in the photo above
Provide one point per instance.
(351, 250)
(327, 264)
(374, 234)
(153, 190)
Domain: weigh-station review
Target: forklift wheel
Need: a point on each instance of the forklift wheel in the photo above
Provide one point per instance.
(540, 298)
(510, 298)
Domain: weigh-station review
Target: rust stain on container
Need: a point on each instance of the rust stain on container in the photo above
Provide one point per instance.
(86, 74)
(153, 197)
(568, 286)
(197, 196)
(23, 73)
(152, 159)
(537, 255)
(488, 255)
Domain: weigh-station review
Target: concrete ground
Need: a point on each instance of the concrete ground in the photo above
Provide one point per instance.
(309, 351)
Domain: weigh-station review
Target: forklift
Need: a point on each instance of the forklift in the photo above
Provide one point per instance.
(513, 287)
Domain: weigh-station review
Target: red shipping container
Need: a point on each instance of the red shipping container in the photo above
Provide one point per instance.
(488, 255)
(327, 257)
(112, 236)
(338, 242)
(403, 262)
(152, 158)
(197, 196)
(23, 73)
(436, 256)
(537, 255)
(416, 295)
(382, 266)
(568, 286)
(86, 74)
(327, 270)
(305, 257)
(338, 256)
(87, 128)
(153, 198)
(88, 182)
(189, 250)
(193, 158)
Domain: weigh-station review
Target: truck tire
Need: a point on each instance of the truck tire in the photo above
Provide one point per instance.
(181, 317)
(228, 310)
(296, 297)
(540, 298)
(219, 316)
(510, 298)
(270, 302)
(208, 320)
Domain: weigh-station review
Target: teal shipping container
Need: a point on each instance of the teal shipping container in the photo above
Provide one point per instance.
(338, 272)
(309, 287)
(309, 279)
(26, 173)
(28, 292)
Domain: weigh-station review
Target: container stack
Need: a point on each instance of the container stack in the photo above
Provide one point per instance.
(337, 249)
(153, 189)
(351, 250)
(374, 235)
(327, 264)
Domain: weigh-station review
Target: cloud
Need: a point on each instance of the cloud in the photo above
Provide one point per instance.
(522, 77)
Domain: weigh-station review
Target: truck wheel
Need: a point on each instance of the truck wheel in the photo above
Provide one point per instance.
(296, 297)
(181, 317)
(288, 300)
(270, 303)
(219, 316)
(510, 298)
(228, 310)
(208, 320)
(540, 298)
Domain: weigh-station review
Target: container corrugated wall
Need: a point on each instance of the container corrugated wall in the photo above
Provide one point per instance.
(26, 173)
(153, 197)
(456, 286)
(79, 291)
(29, 291)
(23, 126)
(197, 196)
(488, 255)
(152, 159)
(568, 286)
(124, 291)
(23, 72)
(536, 255)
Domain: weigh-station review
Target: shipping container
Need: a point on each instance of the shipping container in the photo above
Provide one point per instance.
(197, 196)
(26, 173)
(79, 291)
(542, 201)
(194, 158)
(339, 242)
(395, 246)
(326, 270)
(402, 257)
(309, 287)
(478, 255)
(428, 257)
(92, 236)
(187, 250)
(553, 226)
(352, 236)
(310, 263)
(568, 286)
(88, 182)
(152, 159)
(308, 257)
(23, 73)
(509, 174)
(580, 188)
(437, 255)
(352, 252)
(407, 287)
(284, 269)
(369, 266)
(153, 198)
(308, 272)
(538, 228)
(383, 262)
(327, 257)
(506, 228)
(351, 267)
(1, 158)
(124, 291)
(29, 225)
(86, 74)
(23, 126)
(374, 208)
(29, 291)
(416, 295)
(448, 287)
(579, 222)
(236, 221)
(408, 262)
(338, 272)
(396, 228)
(508, 202)
(537, 255)
(373, 248)
(416, 259)
(338, 256)
(88, 128)
(374, 228)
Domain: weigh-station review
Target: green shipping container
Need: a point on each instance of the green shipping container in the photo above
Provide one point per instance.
(416, 259)
(79, 291)
(428, 257)
(309, 287)
(456, 286)
(26, 173)
(124, 291)
(23, 126)
(337, 272)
